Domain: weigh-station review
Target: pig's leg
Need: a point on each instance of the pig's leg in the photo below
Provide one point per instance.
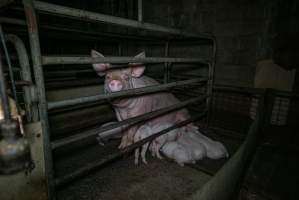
(157, 150)
(136, 156)
(143, 152)
(123, 142)
(130, 135)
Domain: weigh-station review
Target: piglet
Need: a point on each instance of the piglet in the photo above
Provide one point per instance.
(143, 132)
(198, 150)
(177, 152)
(132, 77)
(161, 140)
(215, 149)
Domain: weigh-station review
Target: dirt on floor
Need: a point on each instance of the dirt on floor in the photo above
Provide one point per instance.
(160, 179)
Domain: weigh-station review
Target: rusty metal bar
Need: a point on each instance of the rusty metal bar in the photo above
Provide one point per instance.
(95, 17)
(135, 91)
(96, 164)
(42, 103)
(54, 60)
(131, 121)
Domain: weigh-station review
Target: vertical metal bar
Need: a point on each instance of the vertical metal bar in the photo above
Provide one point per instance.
(140, 14)
(12, 79)
(166, 65)
(42, 104)
(211, 81)
(3, 95)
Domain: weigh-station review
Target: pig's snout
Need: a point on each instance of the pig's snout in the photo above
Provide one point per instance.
(115, 85)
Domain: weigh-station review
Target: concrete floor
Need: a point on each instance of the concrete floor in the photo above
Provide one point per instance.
(160, 179)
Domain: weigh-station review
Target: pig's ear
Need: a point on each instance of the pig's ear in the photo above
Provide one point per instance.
(99, 68)
(138, 70)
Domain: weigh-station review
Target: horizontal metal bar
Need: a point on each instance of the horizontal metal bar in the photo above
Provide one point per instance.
(245, 90)
(131, 121)
(54, 60)
(92, 34)
(136, 91)
(96, 164)
(95, 17)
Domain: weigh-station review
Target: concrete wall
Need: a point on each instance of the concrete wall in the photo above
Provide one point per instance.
(242, 29)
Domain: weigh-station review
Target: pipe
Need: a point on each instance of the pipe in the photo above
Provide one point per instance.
(42, 103)
(3, 95)
(131, 121)
(95, 17)
(54, 60)
(96, 164)
(11, 75)
(135, 91)
(31, 110)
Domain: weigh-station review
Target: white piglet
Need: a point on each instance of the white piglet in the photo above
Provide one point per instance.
(144, 131)
(177, 152)
(198, 150)
(214, 149)
(163, 139)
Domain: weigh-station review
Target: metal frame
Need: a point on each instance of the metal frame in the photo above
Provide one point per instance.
(40, 61)
(29, 91)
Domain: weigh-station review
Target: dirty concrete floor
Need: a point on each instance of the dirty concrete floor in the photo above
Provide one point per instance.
(121, 179)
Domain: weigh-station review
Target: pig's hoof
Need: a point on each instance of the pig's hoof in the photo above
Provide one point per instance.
(144, 161)
(136, 162)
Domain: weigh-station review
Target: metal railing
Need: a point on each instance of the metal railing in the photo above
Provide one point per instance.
(39, 61)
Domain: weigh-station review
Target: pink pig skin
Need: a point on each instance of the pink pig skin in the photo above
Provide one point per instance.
(131, 107)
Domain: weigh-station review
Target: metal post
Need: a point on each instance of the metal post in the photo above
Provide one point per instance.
(42, 104)
(3, 96)
(166, 69)
(211, 81)
(140, 14)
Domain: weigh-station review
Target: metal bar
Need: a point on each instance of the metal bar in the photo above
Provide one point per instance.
(140, 14)
(95, 17)
(3, 95)
(135, 91)
(211, 80)
(11, 75)
(93, 33)
(166, 68)
(244, 90)
(31, 109)
(42, 103)
(96, 164)
(54, 60)
(131, 121)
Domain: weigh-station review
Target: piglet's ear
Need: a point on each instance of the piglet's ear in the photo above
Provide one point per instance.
(99, 68)
(138, 70)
